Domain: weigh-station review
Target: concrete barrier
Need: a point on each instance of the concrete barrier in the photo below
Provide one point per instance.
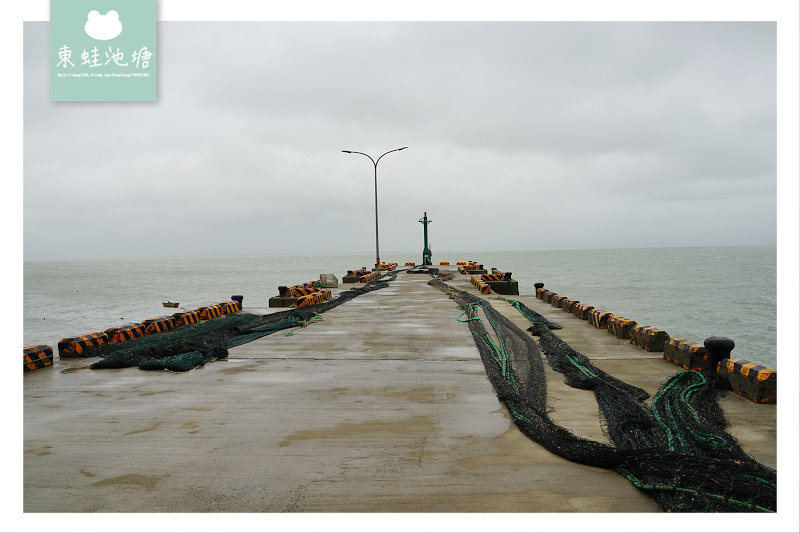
(36, 357)
(481, 285)
(300, 290)
(186, 317)
(687, 354)
(209, 311)
(750, 379)
(599, 318)
(73, 347)
(582, 311)
(232, 306)
(125, 333)
(568, 305)
(354, 276)
(313, 298)
(366, 278)
(649, 338)
(158, 325)
(556, 300)
(620, 327)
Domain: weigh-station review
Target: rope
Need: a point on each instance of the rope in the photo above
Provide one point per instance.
(305, 323)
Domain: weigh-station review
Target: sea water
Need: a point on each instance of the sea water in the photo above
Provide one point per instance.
(692, 293)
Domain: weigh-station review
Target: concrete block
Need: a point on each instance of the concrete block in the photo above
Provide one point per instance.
(620, 327)
(568, 305)
(504, 286)
(750, 380)
(77, 346)
(37, 356)
(185, 317)
(282, 301)
(599, 318)
(582, 311)
(649, 338)
(688, 355)
(126, 332)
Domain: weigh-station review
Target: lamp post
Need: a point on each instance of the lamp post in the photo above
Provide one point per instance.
(375, 164)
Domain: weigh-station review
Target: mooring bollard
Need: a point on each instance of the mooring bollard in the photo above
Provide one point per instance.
(282, 290)
(719, 348)
(538, 285)
(238, 298)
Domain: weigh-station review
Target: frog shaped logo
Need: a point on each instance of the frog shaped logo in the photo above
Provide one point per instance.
(103, 27)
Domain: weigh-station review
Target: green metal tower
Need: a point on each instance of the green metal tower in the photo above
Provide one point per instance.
(426, 252)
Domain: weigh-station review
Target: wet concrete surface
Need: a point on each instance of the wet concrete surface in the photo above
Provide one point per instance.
(382, 406)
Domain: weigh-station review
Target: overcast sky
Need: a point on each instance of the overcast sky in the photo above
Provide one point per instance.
(520, 135)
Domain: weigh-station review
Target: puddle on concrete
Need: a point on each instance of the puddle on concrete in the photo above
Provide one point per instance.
(239, 369)
(408, 426)
(43, 450)
(128, 479)
(73, 369)
(422, 394)
(151, 428)
(510, 448)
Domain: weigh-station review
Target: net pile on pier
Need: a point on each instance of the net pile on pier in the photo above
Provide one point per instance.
(191, 345)
(676, 450)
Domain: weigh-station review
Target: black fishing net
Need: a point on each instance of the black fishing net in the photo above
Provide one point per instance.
(676, 450)
(191, 345)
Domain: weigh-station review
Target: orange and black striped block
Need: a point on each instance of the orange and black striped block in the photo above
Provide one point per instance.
(186, 317)
(751, 380)
(125, 333)
(620, 327)
(649, 338)
(313, 298)
(232, 306)
(687, 354)
(492, 277)
(582, 311)
(557, 300)
(209, 311)
(298, 290)
(37, 356)
(158, 325)
(568, 305)
(444, 262)
(368, 277)
(599, 318)
(72, 347)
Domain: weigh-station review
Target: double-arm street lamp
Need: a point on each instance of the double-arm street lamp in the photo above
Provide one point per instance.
(375, 164)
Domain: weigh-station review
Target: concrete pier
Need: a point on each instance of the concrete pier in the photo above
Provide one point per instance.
(381, 406)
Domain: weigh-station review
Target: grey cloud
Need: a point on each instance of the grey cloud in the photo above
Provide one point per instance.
(513, 123)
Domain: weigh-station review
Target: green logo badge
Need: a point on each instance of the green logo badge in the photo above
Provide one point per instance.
(103, 50)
